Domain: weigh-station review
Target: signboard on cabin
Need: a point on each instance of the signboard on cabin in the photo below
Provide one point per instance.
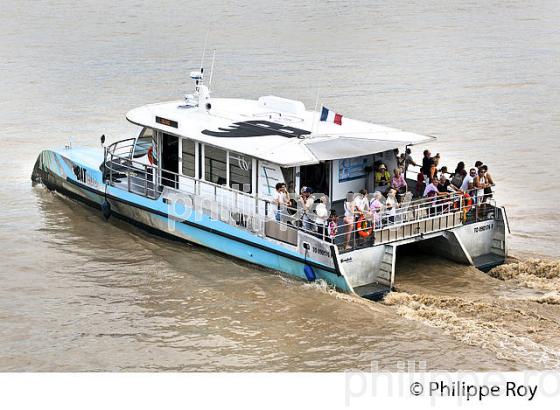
(351, 175)
(269, 175)
(350, 169)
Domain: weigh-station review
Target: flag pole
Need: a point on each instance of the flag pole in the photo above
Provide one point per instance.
(313, 125)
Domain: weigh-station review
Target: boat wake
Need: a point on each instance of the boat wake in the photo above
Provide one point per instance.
(323, 287)
(503, 327)
(514, 312)
(536, 274)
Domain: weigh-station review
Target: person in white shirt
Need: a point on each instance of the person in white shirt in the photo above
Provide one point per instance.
(391, 205)
(349, 210)
(467, 184)
(280, 198)
(321, 218)
(361, 202)
(306, 202)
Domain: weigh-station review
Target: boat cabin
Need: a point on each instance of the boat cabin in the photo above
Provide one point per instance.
(249, 146)
(227, 155)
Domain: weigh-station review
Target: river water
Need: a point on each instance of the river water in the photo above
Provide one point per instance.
(79, 293)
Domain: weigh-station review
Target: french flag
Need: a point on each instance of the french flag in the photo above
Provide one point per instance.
(330, 116)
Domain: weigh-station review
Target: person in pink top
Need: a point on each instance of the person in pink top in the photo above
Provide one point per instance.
(398, 182)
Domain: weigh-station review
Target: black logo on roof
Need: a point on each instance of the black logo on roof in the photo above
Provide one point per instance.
(256, 129)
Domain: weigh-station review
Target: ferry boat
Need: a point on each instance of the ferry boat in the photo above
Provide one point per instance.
(204, 170)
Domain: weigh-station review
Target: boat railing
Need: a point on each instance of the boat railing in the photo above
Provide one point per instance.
(123, 148)
(222, 202)
(259, 215)
(417, 218)
(409, 219)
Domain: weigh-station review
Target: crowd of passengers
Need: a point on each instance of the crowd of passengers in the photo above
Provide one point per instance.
(391, 193)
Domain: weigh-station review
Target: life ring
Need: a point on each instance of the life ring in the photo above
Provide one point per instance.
(467, 203)
(151, 158)
(362, 227)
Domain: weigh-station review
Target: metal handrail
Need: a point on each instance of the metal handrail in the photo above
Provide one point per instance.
(145, 167)
(420, 210)
(143, 179)
(424, 209)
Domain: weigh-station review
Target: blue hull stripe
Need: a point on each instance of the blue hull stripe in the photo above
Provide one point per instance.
(211, 230)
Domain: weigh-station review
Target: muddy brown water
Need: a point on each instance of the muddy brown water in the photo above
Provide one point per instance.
(78, 293)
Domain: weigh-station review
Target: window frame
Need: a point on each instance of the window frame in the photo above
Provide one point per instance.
(196, 157)
(201, 161)
(203, 164)
(251, 162)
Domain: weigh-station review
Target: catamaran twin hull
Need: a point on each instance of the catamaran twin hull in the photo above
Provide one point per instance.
(368, 269)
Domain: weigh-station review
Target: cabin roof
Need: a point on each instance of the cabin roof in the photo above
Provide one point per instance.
(274, 129)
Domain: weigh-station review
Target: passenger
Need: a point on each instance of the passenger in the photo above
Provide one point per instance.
(428, 165)
(442, 171)
(408, 160)
(349, 208)
(443, 185)
(420, 183)
(332, 225)
(467, 184)
(306, 203)
(396, 154)
(321, 218)
(361, 202)
(458, 175)
(375, 207)
(291, 206)
(457, 180)
(488, 190)
(382, 176)
(391, 205)
(401, 162)
(436, 160)
(459, 168)
(433, 192)
(431, 189)
(480, 183)
(478, 164)
(398, 182)
(280, 198)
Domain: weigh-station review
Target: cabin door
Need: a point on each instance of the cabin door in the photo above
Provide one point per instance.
(316, 177)
(169, 160)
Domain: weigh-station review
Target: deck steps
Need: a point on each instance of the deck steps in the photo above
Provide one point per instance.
(386, 269)
(488, 261)
(372, 291)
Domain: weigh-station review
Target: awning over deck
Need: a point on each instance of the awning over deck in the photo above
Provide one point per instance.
(348, 147)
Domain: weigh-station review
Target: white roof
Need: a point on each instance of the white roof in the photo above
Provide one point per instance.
(273, 129)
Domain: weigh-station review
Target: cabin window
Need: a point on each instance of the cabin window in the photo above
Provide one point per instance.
(189, 164)
(240, 172)
(144, 142)
(215, 165)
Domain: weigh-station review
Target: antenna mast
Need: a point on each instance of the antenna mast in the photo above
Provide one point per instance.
(204, 52)
(212, 69)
